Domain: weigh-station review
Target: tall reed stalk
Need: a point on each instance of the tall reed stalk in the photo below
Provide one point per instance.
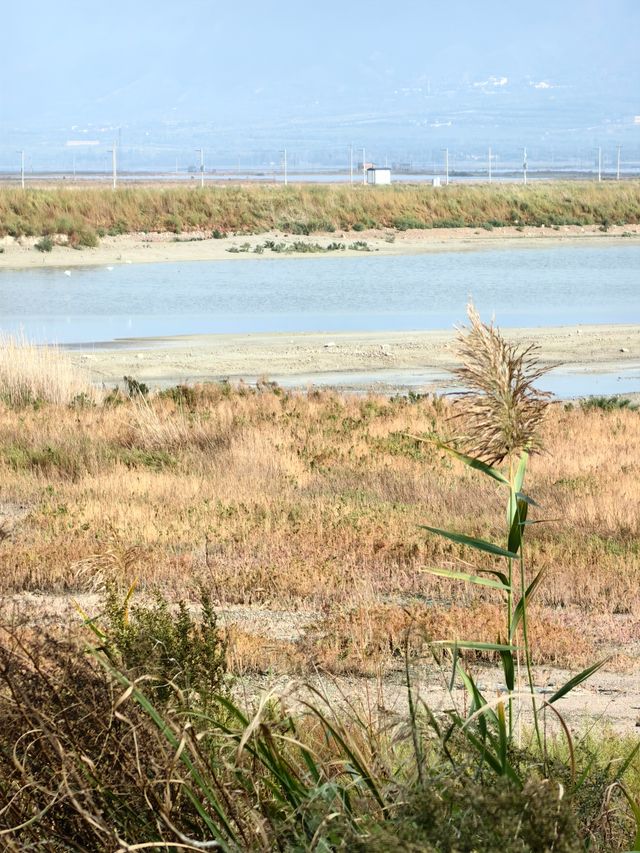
(500, 412)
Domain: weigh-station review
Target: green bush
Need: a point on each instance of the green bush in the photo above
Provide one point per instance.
(404, 223)
(156, 460)
(463, 814)
(174, 224)
(45, 244)
(135, 388)
(64, 226)
(184, 658)
(607, 404)
(83, 238)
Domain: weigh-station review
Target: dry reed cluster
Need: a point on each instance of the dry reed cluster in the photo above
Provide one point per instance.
(31, 373)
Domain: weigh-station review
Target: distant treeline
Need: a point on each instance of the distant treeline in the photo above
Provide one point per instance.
(86, 214)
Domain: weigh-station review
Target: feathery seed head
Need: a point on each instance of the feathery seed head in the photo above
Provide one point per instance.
(502, 408)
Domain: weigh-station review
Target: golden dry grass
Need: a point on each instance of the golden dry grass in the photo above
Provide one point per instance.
(295, 502)
(82, 212)
(30, 373)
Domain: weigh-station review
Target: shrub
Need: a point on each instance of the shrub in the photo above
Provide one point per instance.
(45, 244)
(607, 404)
(64, 226)
(184, 658)
(83, 238)
(118, 228)
(135, 388)
(174, 224)
(404, 223)
(492, 814)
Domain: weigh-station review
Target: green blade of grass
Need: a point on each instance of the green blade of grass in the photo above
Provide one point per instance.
(509, 670)
(635, 809)
(471, 542)
(577, 679)
(185, 758)
(474, 644)
(518, 480)
(527, 499)
(519, 608)
(351, 752)
(464, 576)
(471, 462)
(627, 762)
(516, 532)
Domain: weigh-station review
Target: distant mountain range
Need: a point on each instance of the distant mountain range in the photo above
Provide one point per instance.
(158, 123)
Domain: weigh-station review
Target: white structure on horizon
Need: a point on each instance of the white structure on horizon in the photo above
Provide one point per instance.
(378, 175)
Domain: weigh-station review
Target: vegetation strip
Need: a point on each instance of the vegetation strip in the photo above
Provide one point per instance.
(81, 216)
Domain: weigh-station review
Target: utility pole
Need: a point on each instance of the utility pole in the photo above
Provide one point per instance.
(446, 167)
(351, 164)
(618, 164)
(364, 169)
(599, 163)
(524, 164)
(285, 167)
(22, 169)
(489, 164)
(113, 166)
(201, 151)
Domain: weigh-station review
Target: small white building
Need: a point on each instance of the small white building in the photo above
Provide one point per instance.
(378, 175)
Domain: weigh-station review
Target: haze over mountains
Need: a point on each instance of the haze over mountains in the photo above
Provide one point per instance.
(243, 82)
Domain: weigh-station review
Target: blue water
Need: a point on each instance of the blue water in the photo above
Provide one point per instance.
(524, 287)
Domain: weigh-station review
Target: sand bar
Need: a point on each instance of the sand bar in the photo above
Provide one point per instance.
(199, 246)
(594, 349)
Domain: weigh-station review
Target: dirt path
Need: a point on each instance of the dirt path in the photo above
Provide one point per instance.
(608, 698)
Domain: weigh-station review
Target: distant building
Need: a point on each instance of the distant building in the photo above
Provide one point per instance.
(378, 175)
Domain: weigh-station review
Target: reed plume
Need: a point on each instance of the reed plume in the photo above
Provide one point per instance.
(502, 408)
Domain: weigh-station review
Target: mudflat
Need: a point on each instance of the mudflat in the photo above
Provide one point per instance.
(589, 348)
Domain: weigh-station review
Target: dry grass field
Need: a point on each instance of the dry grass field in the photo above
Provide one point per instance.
(162, 553)
(305, 509)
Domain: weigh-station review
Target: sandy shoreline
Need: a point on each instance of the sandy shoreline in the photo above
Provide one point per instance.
(162, 248)
(162, 361)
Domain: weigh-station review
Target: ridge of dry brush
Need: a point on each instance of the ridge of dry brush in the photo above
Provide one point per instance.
(83, 213)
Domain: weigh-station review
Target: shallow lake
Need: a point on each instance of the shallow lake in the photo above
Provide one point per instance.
(524, 287)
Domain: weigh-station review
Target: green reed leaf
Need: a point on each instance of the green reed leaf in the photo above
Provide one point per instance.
(471, 542)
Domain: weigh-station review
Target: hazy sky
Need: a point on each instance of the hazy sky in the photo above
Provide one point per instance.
(116, 60)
